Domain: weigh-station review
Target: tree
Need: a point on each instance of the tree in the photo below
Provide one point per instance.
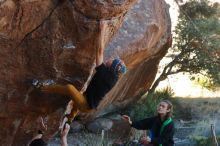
(196, 47)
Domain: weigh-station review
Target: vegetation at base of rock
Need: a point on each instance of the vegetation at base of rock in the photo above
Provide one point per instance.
(196, 47)
(147, 106)
(204, 141)
(103, 140)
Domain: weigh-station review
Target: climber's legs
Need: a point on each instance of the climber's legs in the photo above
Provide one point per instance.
(69, 90)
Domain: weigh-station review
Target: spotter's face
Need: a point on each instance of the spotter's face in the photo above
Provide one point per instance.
(162, 108)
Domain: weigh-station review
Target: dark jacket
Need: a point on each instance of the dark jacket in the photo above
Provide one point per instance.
(154, 124)
(102, 82)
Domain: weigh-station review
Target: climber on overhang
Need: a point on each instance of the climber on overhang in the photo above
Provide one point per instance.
(102, 82)
(106, 76)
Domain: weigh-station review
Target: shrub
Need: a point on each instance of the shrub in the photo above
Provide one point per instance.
(204, 141)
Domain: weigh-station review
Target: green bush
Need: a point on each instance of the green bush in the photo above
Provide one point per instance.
(164, 93)
(204, 141)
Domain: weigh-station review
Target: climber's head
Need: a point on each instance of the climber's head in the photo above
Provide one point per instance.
(38, 142)
(118, 67)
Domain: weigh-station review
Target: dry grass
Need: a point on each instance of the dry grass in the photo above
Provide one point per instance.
(200, 108)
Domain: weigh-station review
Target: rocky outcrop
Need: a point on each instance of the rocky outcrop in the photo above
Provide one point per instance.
(142, 41)
(57, 39)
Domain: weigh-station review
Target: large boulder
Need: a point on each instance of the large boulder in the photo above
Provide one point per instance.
(57, 39)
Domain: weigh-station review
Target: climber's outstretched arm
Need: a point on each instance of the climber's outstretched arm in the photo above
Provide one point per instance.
(101, 43)
(64, 132)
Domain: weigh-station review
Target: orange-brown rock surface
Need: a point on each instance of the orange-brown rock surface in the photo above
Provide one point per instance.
(57, 39)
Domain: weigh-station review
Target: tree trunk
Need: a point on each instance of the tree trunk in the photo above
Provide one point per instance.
(156, 83)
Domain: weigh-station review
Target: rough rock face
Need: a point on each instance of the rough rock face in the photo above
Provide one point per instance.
(57, 39)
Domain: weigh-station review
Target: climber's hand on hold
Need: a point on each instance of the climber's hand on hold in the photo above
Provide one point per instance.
(127, 119)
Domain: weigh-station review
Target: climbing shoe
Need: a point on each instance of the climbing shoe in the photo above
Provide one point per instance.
(38, 84)
(69, 45)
